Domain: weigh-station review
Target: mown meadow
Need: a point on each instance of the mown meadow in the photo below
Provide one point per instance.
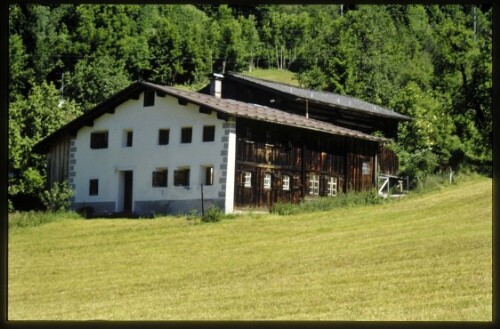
(427, 256)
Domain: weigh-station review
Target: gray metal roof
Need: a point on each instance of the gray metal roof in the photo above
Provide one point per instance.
(329, 98)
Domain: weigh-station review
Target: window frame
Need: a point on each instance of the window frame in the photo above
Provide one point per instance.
(93, 187)
(184, 173)
(314, 184)
(186, 139)
(247, 179)
(332, 186)
(166, 136)
(99, 140)
(208, 133)
(209, 172)
(267, 181)
(157, 182)
(128, 138)
(286, 182)
(149, 98)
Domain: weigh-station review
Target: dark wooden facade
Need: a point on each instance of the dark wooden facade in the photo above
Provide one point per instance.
(58, 161)
(388, 163)
(298, 154)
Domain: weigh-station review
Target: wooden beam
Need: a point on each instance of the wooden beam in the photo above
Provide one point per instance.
(111, 110)
(206, 110)
(90, 123)
(223, 116)
(135, 96)
(182, 101)
(266, 166)
(303, 170)
(160, 93)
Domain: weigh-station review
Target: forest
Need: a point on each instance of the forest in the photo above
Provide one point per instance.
(431, 62)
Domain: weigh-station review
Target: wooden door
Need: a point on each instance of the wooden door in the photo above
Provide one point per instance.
(127, 190)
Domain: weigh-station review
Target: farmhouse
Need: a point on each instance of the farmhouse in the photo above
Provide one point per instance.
(156, 149)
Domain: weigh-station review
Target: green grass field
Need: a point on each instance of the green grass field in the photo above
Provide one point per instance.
(424, 257)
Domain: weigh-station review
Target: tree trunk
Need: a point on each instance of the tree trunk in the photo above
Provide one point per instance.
(277, 57)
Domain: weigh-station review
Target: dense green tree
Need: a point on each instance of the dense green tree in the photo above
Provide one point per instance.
(166, 52)
(463, 74)
(193, 26)
(48, 40)
(431, 62)
(94, 79)
(428, 141)
(252, 46)
(20, 73)
(286, 36)
(228, 39)
(31, 119)
(113, 31)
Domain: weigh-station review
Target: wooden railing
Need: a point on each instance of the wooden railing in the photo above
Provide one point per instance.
(393, 186)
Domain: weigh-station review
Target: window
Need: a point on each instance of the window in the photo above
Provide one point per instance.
(163, 136)
(209, 175)
(286, 183)
(149, 98)
(99, 140)
(181, 177)
(267, 181)
(128, 136)
(208, 133)
(186, 135)
(314, 185)
(332, 186)
(160, 178)
(247, 179)
(94, 187)
(365, 168)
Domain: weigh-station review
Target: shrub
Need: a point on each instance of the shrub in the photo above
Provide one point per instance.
(328, 203)
(192, 215)
(372, 197)
(284, 208)
(213, 214)
(58, 197)
(33, 219)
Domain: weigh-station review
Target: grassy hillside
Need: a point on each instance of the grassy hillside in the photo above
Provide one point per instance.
(276, 75)
(426, 257)
(282, 76)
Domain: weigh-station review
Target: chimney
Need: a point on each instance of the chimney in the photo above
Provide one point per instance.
(216, 85)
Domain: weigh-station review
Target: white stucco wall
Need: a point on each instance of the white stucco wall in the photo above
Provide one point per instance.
(145, 155)
(231, 167)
